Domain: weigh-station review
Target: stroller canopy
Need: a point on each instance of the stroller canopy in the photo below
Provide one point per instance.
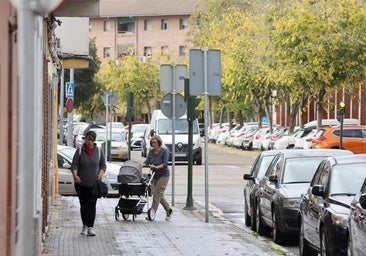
(130, 172)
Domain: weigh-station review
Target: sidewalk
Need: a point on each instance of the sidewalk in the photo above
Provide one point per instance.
(186, 233)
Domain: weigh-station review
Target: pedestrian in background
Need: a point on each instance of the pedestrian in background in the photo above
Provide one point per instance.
(157, 160)
(88, 166)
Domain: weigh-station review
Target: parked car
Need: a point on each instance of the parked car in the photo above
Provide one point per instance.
(277, 134)
(251, 187)
(325, 206)
(137, 131)
(302, 137)
(225, 134)
(357, 225)
(353, 138)
(119, 146)
(201, 126)
(259, 137)
(287, 141)
(145, 143)
(236, 137)
(116, 126)
(214, 132)
(66, 186)
(287, 177)
(245, 140)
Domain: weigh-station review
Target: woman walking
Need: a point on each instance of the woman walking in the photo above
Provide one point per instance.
(88, 166)
(157, 160)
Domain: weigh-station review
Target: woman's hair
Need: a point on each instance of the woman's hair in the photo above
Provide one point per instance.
(91, 134)
(158, 140)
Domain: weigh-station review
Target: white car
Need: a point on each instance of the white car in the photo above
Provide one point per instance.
(137, 131)
(286, 141)
(119, 146)
(66, 186)
(302, 139)
(259, 137)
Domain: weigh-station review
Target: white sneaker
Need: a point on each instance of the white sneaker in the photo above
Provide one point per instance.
(91, 232)
(84, 230)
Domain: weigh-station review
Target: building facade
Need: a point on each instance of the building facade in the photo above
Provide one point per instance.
(144, 28)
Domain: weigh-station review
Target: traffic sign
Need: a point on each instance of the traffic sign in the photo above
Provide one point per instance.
(166, 105)
(69, 105)
(70, 88)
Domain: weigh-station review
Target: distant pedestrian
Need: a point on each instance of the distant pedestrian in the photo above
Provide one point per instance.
(87, 166)
(157, 160)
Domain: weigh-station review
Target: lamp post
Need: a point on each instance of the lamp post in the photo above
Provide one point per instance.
(340, 118)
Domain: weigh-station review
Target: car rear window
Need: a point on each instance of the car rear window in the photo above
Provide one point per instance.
(350, 133)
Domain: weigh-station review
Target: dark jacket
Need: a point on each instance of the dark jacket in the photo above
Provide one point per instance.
(88, 166)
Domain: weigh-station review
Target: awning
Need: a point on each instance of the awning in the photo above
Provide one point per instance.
(125, 20)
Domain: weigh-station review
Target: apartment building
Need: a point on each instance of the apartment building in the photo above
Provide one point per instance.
(143, 27)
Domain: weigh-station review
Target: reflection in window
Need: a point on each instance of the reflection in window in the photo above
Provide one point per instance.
(300, 170)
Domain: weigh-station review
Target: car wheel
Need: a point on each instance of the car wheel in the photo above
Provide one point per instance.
(323, 243)
(254, 218)
(304, 248)
(250, 147)
(260, 228)
(246, 215)
(278, 236)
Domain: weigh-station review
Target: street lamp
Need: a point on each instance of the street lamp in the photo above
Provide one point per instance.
(340, 118)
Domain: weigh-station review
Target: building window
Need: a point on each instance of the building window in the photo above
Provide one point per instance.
(164, 50)
(107, 25)
(106, 52)
(125, 49)
(147, 25)
(147, 51)
(183, 23)
(125, 25)
(183, 51)
(164, 24)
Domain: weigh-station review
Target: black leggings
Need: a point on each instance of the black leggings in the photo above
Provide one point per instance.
(88, 204)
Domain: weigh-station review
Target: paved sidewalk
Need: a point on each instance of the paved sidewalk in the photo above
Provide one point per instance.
(186, 233)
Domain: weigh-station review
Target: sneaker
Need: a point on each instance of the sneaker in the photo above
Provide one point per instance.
(91, 232)
(169, 214)
(84, 230)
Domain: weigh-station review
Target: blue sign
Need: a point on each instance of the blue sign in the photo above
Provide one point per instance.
(264, 120)
(70, 87)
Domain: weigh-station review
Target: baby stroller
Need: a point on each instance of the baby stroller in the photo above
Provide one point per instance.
(134, 189)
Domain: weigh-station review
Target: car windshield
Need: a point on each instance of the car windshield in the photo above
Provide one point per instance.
(347, 179)
(181, 126)
(116, 125)
(68, 151)
(300, 170)
(138, 128)
(101, 136)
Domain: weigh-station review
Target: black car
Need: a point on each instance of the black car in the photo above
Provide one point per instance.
(325, 207)
(251, 187)
(287, 177)
(357, 224)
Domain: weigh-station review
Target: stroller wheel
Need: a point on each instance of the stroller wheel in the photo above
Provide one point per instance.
(125, 216)
(116, 214)
(151, 214)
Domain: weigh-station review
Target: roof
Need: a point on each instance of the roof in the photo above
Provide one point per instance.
(356, 158)
(292, 153)
(136, 8)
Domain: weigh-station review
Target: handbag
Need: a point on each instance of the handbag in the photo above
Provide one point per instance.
(100, 189)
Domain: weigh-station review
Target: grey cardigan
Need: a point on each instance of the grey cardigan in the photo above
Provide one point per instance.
(88, 166)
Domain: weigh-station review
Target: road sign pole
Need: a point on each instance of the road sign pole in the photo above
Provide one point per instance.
(173, 133)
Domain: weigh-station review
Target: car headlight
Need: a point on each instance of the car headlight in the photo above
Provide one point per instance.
(340, 219)
(197, 143)
(291, 203)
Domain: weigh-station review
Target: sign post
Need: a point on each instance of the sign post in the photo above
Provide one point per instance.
(172, 79)
(205, 79)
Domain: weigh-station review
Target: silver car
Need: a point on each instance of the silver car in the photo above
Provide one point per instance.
(66, 182)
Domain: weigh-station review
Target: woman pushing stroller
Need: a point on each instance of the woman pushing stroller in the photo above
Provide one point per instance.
(157, 160)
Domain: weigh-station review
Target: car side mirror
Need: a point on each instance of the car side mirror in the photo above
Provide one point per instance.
(363, 201)
(248, 177)
(152, 133)
(273, 178)
(318, 190)
(66, 166)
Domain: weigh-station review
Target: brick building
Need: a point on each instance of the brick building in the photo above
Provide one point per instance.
(144, 27)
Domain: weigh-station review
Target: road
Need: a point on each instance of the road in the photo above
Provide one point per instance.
(226, 167)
